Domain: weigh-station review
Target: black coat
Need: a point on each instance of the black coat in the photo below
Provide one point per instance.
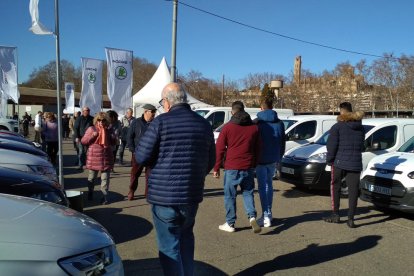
(81, 125)
(346, 142)
(135, 131)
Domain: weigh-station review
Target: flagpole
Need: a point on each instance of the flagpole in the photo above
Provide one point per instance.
(59, 107)
(174, 42)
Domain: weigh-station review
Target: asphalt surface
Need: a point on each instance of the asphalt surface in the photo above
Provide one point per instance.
(298, 243)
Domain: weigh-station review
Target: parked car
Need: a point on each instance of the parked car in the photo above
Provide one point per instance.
(7, 132)
(23, 147)
(29, 185)
(388, 180)
(9, 124)
(304, 129)
(306, 165)
(42, 238)
(28, 163)
(20, 139)
(218, 115)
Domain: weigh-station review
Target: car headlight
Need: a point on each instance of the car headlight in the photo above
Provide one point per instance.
(48, 171)
(411, 175)
(318, 158)
(91, 263)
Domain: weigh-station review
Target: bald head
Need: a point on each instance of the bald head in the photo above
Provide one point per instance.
(172, 94)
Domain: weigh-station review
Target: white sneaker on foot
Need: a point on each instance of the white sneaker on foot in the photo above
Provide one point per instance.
(226, 227)
(253, 223)
(267, 222)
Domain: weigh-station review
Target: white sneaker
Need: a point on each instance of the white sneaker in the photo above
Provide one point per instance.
(226, 227)
(253, 223)
(267, 222)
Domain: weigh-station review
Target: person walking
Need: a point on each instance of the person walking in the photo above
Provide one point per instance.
(239, 141)
(82, 123)
(50, 132)
(345, 146)
(178, 146)
(65, 126)
(26, 121)
(100, 140)
(125, 124)
(72, 130)
(272, 133)
(136, 130)
(38, 126)
(115, 125)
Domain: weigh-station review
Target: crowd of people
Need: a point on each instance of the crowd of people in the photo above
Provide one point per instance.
(177, 151)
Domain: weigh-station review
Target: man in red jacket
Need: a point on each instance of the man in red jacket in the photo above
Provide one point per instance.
(239, 141)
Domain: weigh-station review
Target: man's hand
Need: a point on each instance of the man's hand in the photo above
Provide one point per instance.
(94, 134)
(216, 174)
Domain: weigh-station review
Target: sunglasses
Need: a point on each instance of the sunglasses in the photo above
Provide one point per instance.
(162, 101)
(152, 111)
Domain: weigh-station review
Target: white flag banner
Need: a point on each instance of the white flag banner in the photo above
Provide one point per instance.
(91, 95)
(119, 79)
(37, 27)
(3, 104)
(70, 97)
(8, 73)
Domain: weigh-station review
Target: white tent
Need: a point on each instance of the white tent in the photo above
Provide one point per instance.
(151, 92)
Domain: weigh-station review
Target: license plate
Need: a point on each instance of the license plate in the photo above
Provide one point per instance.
(287, 170)
(379, 189)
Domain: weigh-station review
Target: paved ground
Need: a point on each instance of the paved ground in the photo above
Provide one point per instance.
(299, 243)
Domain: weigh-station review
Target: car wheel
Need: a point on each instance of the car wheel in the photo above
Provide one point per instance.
(344, 189)
(3, 128)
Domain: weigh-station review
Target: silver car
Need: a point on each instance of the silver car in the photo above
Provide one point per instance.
(42, 238)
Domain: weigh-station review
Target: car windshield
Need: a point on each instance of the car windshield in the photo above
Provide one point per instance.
(288, 123)
(324, 138)
(407, 146)
(202, 112)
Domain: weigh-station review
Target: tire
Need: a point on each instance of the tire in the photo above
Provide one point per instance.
(344, 189)
(3, 128)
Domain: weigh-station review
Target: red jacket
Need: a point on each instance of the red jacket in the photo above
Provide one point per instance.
(239, 142)
(99, 158)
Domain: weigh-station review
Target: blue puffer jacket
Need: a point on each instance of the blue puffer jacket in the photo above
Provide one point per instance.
(179, 148)
(272, 132)
(346, 142)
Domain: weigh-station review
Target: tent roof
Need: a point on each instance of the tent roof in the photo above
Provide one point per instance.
(151, 92)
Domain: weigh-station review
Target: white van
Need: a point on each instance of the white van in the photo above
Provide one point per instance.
(303, 129)
(306, 165)
(9, 124)
(221, 114)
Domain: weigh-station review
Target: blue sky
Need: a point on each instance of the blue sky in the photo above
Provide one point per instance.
(209, 44)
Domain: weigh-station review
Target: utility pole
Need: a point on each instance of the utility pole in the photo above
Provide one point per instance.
(174, 42)
(222, 92)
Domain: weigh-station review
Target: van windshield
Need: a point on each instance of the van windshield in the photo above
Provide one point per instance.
(407, 146)
(288, 123)
(324, 138)
(201, 112)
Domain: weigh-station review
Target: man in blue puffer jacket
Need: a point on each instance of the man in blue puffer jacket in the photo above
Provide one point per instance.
(272, 133)
(345, 146)
(179, 148)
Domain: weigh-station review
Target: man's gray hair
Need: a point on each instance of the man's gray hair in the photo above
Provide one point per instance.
(175, 97)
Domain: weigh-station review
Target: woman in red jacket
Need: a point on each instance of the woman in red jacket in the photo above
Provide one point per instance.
(100, 140)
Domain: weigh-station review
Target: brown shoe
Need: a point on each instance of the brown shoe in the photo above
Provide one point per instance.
(131, 195)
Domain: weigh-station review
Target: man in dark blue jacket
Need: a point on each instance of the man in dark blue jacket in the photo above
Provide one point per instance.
(135, 132)
(345, 146)
(272, 133)
(178, 146)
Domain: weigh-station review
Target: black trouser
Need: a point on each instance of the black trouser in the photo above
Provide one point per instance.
(352, 181)
(52, 150)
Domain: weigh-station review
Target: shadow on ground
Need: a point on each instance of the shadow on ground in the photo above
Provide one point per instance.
(153, 267)
(313, 254)
(283, 224)
(122, 227)
(297, 192)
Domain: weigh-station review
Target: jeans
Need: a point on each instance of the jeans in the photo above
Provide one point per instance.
(264, 174)
(175, 237)
(105, 175)
(244, 178)
(82, 154)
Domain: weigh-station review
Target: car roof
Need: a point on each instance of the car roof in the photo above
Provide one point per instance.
(9, 156)
(304, 117)
(380, 121)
